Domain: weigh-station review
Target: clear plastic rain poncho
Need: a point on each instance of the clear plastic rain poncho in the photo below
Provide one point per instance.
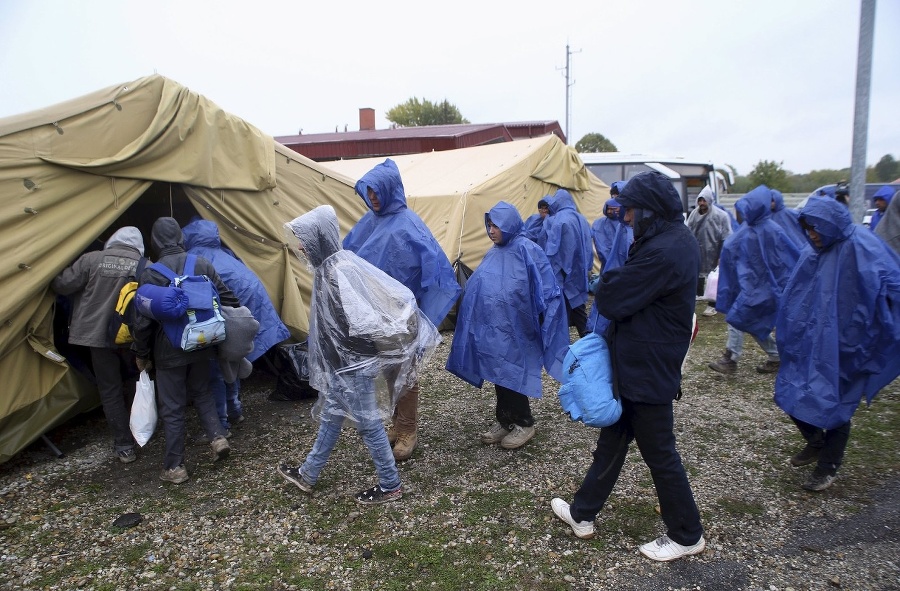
(363, 325)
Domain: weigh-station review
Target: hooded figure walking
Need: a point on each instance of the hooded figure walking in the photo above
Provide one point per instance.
(650, 304)
(364, 326)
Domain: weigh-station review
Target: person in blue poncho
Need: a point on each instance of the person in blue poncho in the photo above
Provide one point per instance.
(838, 330)
(880, 201)
(396, 240)
(534, 225)
(650, 301)
(622, 238)
(201, 237)
(511, 322)
(787, 219)
(604, 228)
(754, 267)
(571, 254)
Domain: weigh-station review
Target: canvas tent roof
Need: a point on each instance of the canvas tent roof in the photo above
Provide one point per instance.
(73, 173)
(451, 190)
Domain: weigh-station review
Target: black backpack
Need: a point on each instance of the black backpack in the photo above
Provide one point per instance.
(120, 329)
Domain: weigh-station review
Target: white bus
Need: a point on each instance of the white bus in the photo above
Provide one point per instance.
(688, 176)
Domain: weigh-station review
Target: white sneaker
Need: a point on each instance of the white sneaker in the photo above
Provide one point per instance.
(495, 434)
(582, 529)
(662, 549)
(710, 311)
(518, 437)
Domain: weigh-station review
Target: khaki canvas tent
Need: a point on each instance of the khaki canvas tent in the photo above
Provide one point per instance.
(73, 173)
(452, 190)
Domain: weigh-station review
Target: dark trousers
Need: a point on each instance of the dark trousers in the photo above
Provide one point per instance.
(175, 386)
(577, 317)
(831, 443)
(512, 408)
(651, 427)
(116, 401)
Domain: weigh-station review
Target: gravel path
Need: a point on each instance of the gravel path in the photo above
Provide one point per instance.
(473, 517)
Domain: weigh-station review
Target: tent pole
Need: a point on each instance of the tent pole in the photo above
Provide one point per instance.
(52, 447)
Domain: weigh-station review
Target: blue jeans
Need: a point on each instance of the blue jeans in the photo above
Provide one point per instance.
(651, 426)
(370, 427)
(226, 396)
(735, 344)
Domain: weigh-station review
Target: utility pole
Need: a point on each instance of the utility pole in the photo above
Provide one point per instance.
(569, 83)
(858, 203)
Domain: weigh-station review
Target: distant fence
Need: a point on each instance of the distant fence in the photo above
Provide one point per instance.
(790, 199)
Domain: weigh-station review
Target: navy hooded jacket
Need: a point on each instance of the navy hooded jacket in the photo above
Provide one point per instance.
(512, 317)
(838, 325)
(650, 299)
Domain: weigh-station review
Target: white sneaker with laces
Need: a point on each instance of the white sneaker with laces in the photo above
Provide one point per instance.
(582, 529)
(663, 549)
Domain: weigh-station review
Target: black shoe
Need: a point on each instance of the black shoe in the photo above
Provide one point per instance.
(769, 366)
(725, 364)
(806, 456)
(293, 476)
(376, 495)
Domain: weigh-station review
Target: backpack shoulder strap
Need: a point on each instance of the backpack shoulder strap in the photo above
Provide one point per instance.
(163, 270)
(189, 264)
(142, 262)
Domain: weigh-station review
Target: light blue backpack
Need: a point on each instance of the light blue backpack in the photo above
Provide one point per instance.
(587, 393)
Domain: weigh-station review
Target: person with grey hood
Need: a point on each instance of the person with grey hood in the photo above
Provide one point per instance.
(650, 304)
(364, 328)
(94, 281)
(181, 377)
(711, 225)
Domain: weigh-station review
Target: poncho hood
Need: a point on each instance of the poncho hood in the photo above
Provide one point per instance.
(886, 193)
(201, 233)
(778, 199)
(385, 180)
(830, 219)
(506, 217)
(127, 236)
(560, 200)
(318, 233)
(612, 203)
(755, 206)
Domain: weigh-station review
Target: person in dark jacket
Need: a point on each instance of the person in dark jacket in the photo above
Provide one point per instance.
(180, 377)
(95, 280)
(650, 303)
(396, 240)
(838, 328)
(570, 251)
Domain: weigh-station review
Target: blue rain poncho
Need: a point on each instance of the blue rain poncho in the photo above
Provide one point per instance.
(569, 247)
(886, 193)
(754, 266)
(787, 218)
(398, 242)
(512, 318)
(604, 230)
(710, 229)
(201, 237)
(838, 325)
(619, 247)
(363, 324)
(534, 229)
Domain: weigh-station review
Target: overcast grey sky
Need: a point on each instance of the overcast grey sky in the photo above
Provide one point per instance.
(735, 82)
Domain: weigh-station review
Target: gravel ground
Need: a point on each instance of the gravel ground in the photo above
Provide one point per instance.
(472, 516)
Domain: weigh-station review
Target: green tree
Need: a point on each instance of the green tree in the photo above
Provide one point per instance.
(770, 174)
(887, 169)
(595, 142)
(415, 113)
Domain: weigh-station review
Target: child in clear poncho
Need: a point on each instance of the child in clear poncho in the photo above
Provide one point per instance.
(363, 326)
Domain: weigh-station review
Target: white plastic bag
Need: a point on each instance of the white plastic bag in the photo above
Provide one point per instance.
(712, 285)
(143, 410)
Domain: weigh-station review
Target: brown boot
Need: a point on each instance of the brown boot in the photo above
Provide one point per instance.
(725, 365)
(392, 435)
(404, 446)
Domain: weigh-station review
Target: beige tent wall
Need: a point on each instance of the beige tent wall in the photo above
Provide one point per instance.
(452, 190)
(68, 172)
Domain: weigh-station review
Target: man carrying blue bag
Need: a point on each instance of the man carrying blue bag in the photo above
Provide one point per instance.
(650, 304)
(181, 376)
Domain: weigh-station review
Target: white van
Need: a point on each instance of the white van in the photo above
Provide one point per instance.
(688, 176)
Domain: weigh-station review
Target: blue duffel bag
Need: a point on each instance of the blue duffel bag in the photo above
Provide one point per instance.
(587, 392)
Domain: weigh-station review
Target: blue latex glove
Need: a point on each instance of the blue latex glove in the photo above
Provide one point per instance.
(593, 283)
